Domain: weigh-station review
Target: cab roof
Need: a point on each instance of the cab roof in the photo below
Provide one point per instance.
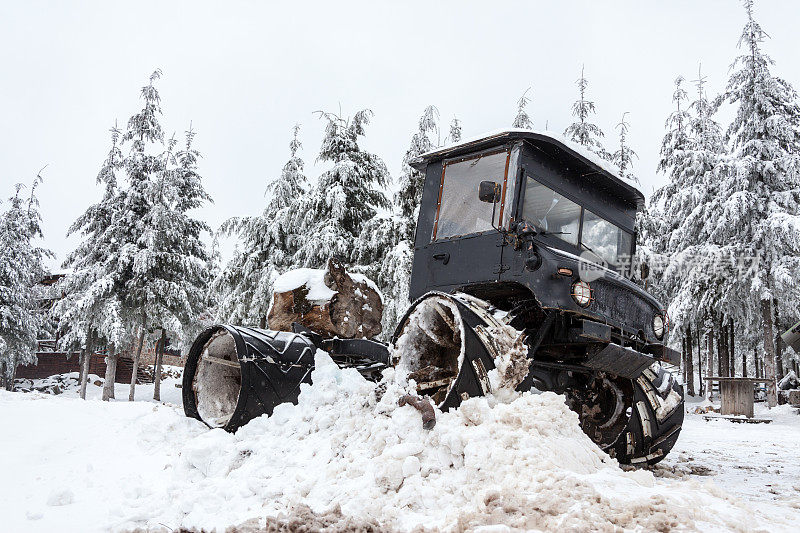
(568, 153)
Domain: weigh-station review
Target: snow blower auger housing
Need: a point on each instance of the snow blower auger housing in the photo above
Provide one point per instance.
(517, 231)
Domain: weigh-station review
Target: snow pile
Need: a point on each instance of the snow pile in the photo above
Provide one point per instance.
(55, 384)
(348, 448)
(789, 381)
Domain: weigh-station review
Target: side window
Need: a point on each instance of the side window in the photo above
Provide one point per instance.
(460, 211)
(551, 211)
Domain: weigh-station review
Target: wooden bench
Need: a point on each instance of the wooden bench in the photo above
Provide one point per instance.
(736, 394)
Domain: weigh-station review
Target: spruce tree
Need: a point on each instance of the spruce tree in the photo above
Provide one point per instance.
(411, 180)
(169, 269)
(333, 214)
(455, 131)
(584, 132)
(21, 268)
(267, 246)
(688, 274)
(385, 247)
(92, 289)
(522, 120)
(136, 229)
(761, 198)
(623, 158)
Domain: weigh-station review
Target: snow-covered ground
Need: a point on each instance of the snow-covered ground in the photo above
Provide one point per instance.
(73, 465)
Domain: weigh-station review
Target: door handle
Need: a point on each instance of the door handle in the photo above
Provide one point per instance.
(443, 257)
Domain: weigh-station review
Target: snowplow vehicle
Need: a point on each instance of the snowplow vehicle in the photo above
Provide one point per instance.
(517, 231)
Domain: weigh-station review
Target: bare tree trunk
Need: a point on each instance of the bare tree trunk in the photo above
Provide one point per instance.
(744, 363)
(726, 350)
(2, 375)
(755, 363)
(732, 349)
(111, 375)
(710, 360)
(720, 353)
(136, 357)
(683, 358)
(87, 359)
(11, 375)
(769, 353)
(159, 358)
(689, 361)
(699, 337)
(262, 322)
(778, 344)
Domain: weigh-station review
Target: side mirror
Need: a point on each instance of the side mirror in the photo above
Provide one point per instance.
(489, 192)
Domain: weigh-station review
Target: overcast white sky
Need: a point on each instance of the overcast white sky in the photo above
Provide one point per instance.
(245, 72)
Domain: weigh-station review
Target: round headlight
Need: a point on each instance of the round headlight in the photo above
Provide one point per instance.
(582, 293)
(659, 326)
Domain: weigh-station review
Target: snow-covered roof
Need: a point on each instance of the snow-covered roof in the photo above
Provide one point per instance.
(550, 137)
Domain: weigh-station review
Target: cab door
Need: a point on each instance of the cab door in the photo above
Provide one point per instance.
(465, 246)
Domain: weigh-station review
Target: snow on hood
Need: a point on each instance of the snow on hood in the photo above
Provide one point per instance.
(608, 166)
(348, 448)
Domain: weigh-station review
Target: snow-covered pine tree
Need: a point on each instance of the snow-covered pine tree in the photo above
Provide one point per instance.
(333, 214)
(385, 247)
(132, 224)
(455, 131)
(170, 276)
(584, 132)
(383, 253)
(92, 289)
(761, 196)
(267, 246)
(688, 275)
(523, 120)
(409, 195)
(21, 268)
(623, 157)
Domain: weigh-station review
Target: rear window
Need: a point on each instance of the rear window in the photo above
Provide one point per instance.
(460, 211)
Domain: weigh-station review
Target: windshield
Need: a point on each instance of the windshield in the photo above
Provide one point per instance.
(554, 214)
(604, 239)
(551, 211)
